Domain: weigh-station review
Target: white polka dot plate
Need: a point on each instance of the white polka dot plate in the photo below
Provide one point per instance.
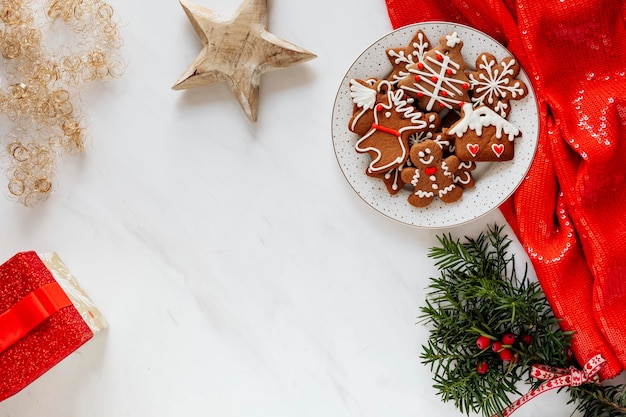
(495, 181)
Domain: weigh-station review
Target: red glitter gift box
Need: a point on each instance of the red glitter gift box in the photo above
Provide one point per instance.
(44, 316)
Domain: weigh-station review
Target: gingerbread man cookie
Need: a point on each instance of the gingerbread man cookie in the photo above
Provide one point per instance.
(439, 81)
(432, 175)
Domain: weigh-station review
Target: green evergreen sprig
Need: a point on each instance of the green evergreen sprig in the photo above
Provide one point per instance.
(599, 400)
(477, 303)
(488, 326)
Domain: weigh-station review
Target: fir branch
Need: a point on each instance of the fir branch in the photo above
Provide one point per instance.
(599, 400)
(479, 294)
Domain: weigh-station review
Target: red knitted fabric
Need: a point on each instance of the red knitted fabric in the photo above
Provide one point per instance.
(568, 211)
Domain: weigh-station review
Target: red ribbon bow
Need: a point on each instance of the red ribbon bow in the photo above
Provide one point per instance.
(558, 378)
(570, 376)
(29, 312)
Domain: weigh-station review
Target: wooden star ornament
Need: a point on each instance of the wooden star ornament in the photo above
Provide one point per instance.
(238, 51)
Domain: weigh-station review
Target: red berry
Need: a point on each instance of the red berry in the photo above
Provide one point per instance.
(418, 78)
(420, 65)
(433, 78)
(439, 57)
(483, 342)
(497, 346)
(508, 339)
(506, 355)
(527, 340)
(482, 368)
(465, 86)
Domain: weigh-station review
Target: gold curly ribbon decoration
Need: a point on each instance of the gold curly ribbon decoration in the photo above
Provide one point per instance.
(40, 87)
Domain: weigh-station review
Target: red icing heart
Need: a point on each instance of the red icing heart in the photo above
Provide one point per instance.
(498, 149)
(431, 170)
(473, 149)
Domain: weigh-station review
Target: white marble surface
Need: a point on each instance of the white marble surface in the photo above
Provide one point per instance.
(239, 272)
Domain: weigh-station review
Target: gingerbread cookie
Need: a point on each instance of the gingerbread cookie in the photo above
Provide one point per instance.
(394, 120)
(483, 135)
(432, 175)
(365, 94)
(431, 119)
(495, 83)
(463, 175)
(403, 58)
(392, 178)
(439, 81)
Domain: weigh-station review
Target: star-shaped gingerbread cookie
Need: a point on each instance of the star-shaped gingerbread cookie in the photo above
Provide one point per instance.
(403, 58)
(238, 51)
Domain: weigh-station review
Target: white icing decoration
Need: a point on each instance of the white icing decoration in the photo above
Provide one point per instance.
(419, 137)
(416, 178)
(441, 141)
(446, 169)
(467, 180)
(425, 161)
(361, 95)
(483, 116)
(446, 190)
(397, 103)
(399, 57)
(472, 148)
(444, 84)
(423, 194)
(408, 111)
(492, 84)
(452, 40)
(396, 173)
(364, 97)
(498, 149)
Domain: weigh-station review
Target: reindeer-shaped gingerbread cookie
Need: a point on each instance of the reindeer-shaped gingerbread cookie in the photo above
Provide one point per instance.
(390, 119)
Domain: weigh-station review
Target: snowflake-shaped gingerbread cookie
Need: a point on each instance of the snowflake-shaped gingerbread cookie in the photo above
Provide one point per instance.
(495, 84)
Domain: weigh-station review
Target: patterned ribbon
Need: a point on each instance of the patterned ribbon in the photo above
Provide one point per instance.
(557, 378)
(29, 311)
